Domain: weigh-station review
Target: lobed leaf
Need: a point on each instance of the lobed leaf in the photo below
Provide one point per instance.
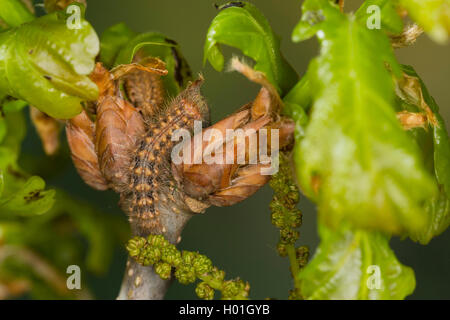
(16, 130)
(355, 264)
(14, 12)
(355, 160)
(153, 44)
(21, 194)
(47, 64)
(112, 41)
(2, 129)
(434, 142)
(241, 25)
(296, 103)
(48, 222)
(121, 45)
(31, 198)
(314, 15)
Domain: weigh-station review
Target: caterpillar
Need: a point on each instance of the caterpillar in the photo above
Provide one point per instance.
(151, 179)
(128, 146)
(125, 144)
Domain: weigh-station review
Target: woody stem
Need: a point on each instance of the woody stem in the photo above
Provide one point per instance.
(142, 282)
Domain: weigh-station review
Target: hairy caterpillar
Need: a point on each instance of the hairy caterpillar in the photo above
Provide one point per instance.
(125, 144)
(128, 147)
(151, 179)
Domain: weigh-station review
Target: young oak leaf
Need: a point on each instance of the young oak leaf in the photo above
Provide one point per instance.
(434, 142)
(22, 194)
(15, 12)
(355, 264)
(157, 45)
(385, 10)
(23, 199)
(355, 160)
(30, 199)
(420, 97)
(314, 14)
(242, 25)
(48, 221)
(121, 45)
(112, 41)
(47, 64)
(16, 130)
(296, 103)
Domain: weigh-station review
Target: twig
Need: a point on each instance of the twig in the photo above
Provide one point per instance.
(142, 283)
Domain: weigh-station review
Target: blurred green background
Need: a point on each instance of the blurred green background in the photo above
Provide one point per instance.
(241, 239)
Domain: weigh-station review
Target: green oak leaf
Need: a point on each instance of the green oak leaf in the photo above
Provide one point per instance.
(314, 14)
(355, 264)
(154, 44)
(300, 94)
(3, 128)
(112, 40)
(296, 103)
(29, 200)
(438, 209)
(121, 45)
(432, 15)
(2, 183)
(22, 194)
(47, 64)
(14, 12)
(434, 142)
(24, 200)
(11, 144)
(16, 130)
(441, 143)
(13, 104)
(355, 159)
(241, 25)
(48, 222)
(386, 10)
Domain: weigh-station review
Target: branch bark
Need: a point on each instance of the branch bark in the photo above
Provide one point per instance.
(142, 283)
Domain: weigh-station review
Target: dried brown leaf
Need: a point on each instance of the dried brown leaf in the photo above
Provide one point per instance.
(80, 132)
(48, 130)
(119, 126)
